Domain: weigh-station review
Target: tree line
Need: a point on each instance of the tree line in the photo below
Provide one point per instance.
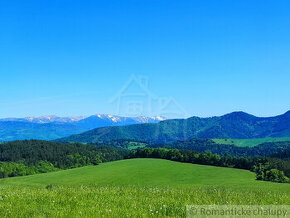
(27, 157)
(204, 145)
(279, 149)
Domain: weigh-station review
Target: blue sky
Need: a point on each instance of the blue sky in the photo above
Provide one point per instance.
(213, 57)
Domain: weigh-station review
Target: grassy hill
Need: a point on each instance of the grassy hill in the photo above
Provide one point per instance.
(249, 142)
(148, 172)
(139, 187)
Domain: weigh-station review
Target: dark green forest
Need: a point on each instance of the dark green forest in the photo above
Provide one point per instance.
(27, 157)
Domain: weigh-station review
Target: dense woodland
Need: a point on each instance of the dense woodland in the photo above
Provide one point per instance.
(32, 156)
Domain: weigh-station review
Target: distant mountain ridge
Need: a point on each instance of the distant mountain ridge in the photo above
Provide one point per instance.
(53, 127)
(53, 118)
(45, 119)
(233, 125)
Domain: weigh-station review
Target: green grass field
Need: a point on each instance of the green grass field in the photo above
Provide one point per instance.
(134, 188)
(249, 142)
(135, 145)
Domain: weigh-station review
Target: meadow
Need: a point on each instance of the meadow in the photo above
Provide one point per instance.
(249, 142)
(134, 188)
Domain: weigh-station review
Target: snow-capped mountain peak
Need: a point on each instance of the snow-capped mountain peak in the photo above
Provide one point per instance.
(140, 119)
(65, 126)
(115, 120)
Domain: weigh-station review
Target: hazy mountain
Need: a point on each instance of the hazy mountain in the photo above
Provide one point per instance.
(233, 125)
(53, 127)
(109, 120)
(45, 119)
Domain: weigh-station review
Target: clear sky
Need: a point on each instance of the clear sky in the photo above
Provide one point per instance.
(70, 57)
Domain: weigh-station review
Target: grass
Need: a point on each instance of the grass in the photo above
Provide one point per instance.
(249, 142)
(134, 188)
(149, 173)
(135, 145)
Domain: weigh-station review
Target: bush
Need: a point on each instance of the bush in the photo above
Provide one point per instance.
(3, 175)
(264, 172)
(275, 175)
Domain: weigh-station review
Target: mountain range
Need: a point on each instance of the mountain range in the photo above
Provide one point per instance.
(54, 127)
(233, 125)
